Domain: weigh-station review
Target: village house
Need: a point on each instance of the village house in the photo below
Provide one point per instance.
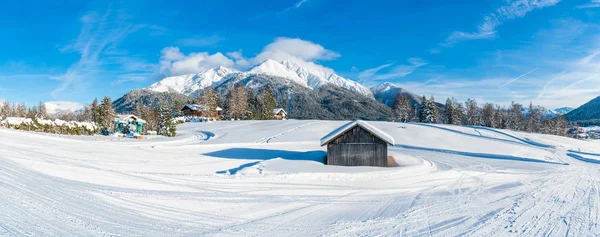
(357, 143)
(197, 111)
(135, 124)
(279, 114)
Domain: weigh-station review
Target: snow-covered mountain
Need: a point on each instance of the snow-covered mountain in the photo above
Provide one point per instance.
(307, 75)
(561, 111)
(189, 83)
(386, 93)
(316, 77)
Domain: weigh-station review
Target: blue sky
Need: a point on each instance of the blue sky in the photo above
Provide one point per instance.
(491, 50)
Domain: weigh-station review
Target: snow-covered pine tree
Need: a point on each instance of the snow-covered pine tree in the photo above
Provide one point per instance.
(106, 113)
(166, 126)
(434, 117)
(428, 112)
(421, 113)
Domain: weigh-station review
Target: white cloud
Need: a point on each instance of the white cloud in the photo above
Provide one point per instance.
(299, 4)
(57, 106)
(284, 48)
(487, 28)
(295, 6)
(592, 4)
(173, 62)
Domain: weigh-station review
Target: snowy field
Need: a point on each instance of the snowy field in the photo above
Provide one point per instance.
(266, 178)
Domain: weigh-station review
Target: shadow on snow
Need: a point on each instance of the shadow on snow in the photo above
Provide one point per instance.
(479, 155)
(581, 158)
(264, 154)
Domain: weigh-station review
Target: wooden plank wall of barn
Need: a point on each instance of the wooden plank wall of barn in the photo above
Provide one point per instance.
(357, 147)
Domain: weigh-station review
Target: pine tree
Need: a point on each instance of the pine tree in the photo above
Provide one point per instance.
(253, 108)
(449, 111)
(434, 117)
(106, 113)
(421, 113)
(267, 104)
(429, 112)
(166, 125)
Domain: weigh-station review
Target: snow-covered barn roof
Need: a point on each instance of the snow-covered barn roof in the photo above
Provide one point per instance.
(373, 130)
(275, 111)
(199, 107)
(194, 107)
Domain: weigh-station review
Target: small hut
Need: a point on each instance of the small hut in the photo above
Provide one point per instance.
(357, 143)
(279, 114)
(134, 123)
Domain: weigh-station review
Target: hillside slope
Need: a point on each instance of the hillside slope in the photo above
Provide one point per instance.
(267, 178)
(588, 113)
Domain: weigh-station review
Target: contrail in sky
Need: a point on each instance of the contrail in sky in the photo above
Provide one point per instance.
(519, 77)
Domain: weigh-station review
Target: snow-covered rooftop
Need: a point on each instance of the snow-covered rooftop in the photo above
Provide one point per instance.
(373, 130)
(125, 118)
(199, 107)
(275, 111)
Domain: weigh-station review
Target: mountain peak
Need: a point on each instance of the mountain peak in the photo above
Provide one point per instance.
(306, 74)
(383, 87)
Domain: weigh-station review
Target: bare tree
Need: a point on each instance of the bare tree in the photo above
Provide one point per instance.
(472, 113)
(488, 115)
(403, 109)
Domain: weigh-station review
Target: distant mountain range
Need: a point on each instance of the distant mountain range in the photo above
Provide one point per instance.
(386, 94)
(310, 76)
(317, 92)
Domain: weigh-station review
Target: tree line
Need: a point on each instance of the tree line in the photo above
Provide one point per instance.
(513, 117)
(239, 103)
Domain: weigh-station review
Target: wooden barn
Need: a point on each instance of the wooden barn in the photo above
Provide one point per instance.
(357, 144)
(194, 110)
